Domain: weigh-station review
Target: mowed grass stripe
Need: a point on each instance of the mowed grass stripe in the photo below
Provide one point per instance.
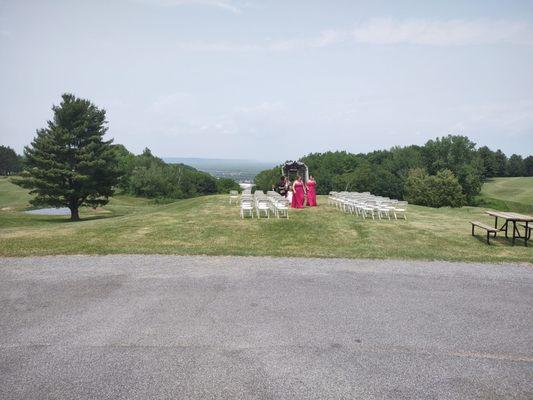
(517, 190)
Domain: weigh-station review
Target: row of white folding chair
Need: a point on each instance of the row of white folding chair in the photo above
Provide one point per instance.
(343, 201)
(261, 204)
(365, 204)
(279, 204)
(264, 204)
(381, 209)
(280, 207)
(247, 203)
(338, 199)
(252, 202)
(260, 208)
(369, 208)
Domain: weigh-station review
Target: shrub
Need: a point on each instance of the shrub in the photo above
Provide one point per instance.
(440, 190)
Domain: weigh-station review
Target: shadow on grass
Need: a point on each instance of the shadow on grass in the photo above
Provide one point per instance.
(484, 201)
(66, 219)
(499, 240)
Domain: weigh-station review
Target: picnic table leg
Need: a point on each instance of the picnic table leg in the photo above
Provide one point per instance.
(527, 234)
(496, 222)
(506, 226)
(514, 231)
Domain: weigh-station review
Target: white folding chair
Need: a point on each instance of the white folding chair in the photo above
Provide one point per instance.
(262, 207)
(233, 196)
(247, 209)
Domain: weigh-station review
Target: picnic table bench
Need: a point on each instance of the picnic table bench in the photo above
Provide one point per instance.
(516, 220)
(488, 228)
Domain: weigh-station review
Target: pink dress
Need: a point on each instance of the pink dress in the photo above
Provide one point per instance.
(311, 193)
(298, 195)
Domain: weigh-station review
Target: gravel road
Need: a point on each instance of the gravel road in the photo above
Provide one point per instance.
(170, 327)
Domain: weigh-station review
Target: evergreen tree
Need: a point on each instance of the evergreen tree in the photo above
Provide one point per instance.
(528, 165)
(501, 160)
(69, 164)
(9, 161)
(490, 163)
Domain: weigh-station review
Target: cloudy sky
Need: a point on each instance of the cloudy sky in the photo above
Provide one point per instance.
(273, 80)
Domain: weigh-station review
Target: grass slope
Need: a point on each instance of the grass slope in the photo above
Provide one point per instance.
(518, 190)
(508, 194)
(12, 197)
(209, 225)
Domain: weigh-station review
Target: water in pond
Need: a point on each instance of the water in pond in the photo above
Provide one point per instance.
(50, 211)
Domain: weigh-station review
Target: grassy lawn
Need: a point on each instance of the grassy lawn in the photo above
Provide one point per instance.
(209, 225)
(518, 190)
(12, 197)
(508, 194)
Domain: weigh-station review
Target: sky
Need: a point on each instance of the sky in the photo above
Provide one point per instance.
(272, 80)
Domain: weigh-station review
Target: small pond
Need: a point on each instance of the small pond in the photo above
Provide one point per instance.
(50, 211)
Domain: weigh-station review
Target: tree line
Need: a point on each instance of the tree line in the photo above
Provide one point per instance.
(10, 161)
(149, 176)
(446, 171)
(69, 164)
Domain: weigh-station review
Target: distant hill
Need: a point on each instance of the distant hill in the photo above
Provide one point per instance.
(237, 169)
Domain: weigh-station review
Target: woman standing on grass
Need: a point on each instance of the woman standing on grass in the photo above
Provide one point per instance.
(298, 193)
(311, 192)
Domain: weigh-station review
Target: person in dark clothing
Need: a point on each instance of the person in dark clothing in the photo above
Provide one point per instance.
(282, 186)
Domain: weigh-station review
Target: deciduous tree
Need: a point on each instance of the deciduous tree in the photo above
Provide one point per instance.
(515, 166)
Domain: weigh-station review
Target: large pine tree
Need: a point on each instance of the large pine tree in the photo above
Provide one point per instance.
(69, 164)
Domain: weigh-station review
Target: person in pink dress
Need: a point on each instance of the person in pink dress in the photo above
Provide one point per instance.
(311, 192)
(298, 190)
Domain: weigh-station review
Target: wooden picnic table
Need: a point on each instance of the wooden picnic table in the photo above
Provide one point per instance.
(514, 218)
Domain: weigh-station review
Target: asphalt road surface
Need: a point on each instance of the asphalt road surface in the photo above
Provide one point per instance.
(165, 327)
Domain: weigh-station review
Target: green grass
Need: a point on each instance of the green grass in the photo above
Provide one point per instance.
(12, 197)
(209, 225)
(508, 194)
(518, 190)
